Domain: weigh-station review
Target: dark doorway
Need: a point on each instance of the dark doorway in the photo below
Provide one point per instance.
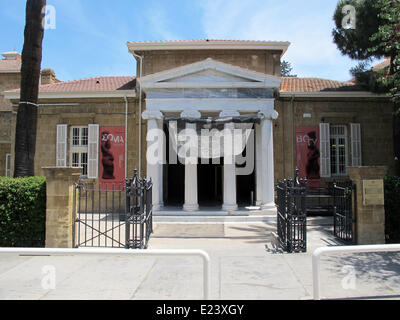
(246, 184)
(173, 179)
(209, 182)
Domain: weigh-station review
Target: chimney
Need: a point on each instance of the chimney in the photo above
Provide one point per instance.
(48, 76)
(12, 55)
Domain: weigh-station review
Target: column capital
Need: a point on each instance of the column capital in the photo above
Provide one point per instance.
(229, 113)
(191, 114)
(271, 114)
(150, 114)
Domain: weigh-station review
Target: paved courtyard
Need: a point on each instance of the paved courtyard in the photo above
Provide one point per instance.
(245, 264)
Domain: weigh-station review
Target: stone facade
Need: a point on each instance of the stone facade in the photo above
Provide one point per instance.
(370, 221)
(7, 81)
(104, 112)
(374, 116)
(264, 61)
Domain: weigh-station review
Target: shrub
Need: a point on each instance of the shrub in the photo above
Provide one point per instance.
(22, 212)
(392, 209)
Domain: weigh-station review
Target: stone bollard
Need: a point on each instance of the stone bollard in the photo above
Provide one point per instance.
(370, 219)
(59, 205)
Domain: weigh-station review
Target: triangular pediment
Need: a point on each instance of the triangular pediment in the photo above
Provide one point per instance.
(209, 73)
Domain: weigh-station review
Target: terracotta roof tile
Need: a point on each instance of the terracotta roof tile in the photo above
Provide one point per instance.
(293, 84)
(90, 84)
(382, 65)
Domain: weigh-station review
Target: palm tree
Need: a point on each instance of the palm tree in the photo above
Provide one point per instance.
(25, 135)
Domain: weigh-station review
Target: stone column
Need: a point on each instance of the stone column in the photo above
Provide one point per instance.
(370, 216)
(229, 186)
(59, 205)
(191, 190)
(258, 164)
(155, 154)
(267, 160)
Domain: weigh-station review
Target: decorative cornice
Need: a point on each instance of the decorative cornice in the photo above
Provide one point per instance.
(332, 94)
(208, 45)
(256, 79)
(76, 94)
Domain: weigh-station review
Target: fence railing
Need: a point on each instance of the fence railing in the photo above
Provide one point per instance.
(139, 212)
(113, 215)
(292, 215)
(343, 216)
(99, 215)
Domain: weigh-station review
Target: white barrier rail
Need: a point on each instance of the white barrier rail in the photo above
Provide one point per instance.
(120, 252)
(343, 249)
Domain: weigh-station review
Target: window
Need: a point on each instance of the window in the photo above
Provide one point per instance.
(338, 138)
(79, 148)
(335, 146)
(8, 165)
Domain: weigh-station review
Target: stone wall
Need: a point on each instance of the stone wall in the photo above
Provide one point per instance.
(5, 139)
(369, 225)
(8, 81)
(375, 117)
(104, 112)
(257, 60)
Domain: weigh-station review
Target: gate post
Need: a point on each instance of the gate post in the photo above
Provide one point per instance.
(59, 205)
(370, 213)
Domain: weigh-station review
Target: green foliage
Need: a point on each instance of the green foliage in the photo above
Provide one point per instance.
(286, 69)
(392, 209)
(355, 42)
(22, 212)
(369, 78)
(387, 39)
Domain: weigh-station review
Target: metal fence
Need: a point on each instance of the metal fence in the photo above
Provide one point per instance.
(292, 214)
(113, 215)
(139, 212)
(344, 207)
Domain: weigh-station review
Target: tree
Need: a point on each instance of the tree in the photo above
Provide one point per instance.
(388, 41)
(286, 69)
(355, 43)
(376, 35)
(25, 134)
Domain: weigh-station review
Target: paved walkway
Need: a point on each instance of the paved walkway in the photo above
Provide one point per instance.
(245, 264)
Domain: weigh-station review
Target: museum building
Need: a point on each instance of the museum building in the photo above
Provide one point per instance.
(101, 124)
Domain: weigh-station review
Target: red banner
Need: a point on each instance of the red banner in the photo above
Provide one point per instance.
(308, 154)
(112, 157)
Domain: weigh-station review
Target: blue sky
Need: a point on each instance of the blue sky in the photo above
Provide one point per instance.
(90, 35)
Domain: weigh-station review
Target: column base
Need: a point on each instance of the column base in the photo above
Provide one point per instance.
(229, 207)
(158, 206)
(190, 207)
(270, 205)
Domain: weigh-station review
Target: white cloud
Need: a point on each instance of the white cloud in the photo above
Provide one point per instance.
(158, 21)
(307, 25)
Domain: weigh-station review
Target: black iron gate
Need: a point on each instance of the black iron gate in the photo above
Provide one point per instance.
(291, 215)
(344, 210)
(113, 215)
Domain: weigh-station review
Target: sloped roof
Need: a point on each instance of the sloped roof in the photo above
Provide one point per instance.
(381, 65)
(294, 84)
(112, 83)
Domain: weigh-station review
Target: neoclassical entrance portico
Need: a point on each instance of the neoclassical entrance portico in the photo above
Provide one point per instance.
(195, 91)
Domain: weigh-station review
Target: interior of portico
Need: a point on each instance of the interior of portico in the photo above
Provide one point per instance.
(203, 90)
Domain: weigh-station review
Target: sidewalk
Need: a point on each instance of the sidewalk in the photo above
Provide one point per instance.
(245, 264)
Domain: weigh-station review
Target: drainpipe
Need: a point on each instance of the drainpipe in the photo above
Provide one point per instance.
(294, 133)
(126, 136)
(140, 111)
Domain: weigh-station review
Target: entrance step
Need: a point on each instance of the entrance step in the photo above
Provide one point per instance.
(244, 215)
